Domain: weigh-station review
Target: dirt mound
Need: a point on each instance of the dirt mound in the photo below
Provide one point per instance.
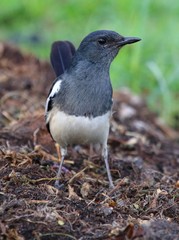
(144, 160)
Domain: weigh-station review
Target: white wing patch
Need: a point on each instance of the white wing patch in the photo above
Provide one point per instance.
(55, 89)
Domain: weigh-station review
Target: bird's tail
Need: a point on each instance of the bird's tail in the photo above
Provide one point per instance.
(61, 55)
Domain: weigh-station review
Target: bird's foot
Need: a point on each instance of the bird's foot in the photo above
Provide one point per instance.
(111, 185)
(59, 185)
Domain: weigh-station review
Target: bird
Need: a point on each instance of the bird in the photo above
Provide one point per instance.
(79, 104)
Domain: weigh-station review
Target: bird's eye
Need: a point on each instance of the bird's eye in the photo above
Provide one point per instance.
(101, 41)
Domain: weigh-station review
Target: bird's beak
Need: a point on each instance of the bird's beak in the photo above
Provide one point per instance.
(128, 40)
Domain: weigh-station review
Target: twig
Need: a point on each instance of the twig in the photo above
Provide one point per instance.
(123, 181)
(58, 234)
(77, 174)
(41, 179)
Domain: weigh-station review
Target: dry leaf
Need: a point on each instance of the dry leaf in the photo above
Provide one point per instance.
(85, 189)
(72, 194)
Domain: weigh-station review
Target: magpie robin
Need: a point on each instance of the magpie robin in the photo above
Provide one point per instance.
(78, 107)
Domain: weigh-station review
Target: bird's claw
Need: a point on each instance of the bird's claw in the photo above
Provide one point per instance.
(58, 185)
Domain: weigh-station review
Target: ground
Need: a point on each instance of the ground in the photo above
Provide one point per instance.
(144, 160)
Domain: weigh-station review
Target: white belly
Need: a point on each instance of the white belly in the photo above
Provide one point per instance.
(66, 129)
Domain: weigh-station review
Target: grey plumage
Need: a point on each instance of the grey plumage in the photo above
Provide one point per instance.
(93, 99)
(80, 101)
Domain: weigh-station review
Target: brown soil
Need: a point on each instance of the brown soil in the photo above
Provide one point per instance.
(144, 161)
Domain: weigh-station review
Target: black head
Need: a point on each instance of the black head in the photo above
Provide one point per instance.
(103, 45)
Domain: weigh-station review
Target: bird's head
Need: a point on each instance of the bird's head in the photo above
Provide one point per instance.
(102, 46)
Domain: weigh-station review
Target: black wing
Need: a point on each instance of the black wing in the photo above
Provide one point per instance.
(61, 55)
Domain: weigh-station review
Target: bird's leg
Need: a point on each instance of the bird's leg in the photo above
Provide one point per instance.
(58, 150)
(91, 151)
(105, 156)
(61, 152)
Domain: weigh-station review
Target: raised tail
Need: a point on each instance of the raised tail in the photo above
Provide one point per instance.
(61, 55)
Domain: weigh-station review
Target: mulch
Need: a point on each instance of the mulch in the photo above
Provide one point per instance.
(144, 161)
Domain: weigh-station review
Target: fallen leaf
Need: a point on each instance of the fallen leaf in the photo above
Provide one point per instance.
(85, 189)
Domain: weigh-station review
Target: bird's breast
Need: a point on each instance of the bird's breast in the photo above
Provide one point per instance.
(70, 129)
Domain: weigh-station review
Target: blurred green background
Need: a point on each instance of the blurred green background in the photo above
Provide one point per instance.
(149, 68)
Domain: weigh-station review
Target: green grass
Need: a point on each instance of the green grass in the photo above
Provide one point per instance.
(149, 68)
